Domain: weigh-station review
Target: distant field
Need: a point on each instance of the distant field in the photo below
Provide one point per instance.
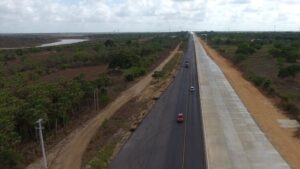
(270, 60)
(15, 41)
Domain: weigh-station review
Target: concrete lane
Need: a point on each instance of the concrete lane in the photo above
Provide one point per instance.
(160, 142)
(233, 139)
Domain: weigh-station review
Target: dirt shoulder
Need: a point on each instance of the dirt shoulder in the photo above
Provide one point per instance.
(262, 110)
(68, 153)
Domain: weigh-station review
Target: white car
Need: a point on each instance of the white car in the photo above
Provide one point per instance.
(192, 88)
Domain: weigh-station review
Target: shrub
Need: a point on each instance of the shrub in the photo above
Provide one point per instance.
(239, 57)
(9, 158)
(157, 74)
(280, 62)
(290, 108)
(260, 81)
(133, 72)
(289, 71)
(267, 84)
(275, 52)
(245, 49)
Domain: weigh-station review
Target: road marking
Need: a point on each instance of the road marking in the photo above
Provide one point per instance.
(187, 105)
(184, 139)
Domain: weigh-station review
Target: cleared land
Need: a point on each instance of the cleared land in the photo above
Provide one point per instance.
(90, 73)
(262, 109)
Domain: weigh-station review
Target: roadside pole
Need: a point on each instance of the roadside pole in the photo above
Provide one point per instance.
(96, 98)
(40, 128)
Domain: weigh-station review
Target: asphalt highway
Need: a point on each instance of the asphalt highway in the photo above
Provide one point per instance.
(162, 143)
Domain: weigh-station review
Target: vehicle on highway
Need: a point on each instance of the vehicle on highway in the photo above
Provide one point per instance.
(180, 117)
(186, 64)
(192, 88)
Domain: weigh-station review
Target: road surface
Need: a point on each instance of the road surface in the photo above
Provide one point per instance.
(233, 139)
(160, 142)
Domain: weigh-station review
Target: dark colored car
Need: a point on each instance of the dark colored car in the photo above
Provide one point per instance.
(180, 118)
(192, 88)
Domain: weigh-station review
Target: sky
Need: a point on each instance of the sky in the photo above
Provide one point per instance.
(52, 16)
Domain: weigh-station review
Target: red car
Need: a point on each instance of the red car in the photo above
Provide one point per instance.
(180, 118)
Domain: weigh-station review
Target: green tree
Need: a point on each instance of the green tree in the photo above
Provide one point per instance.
(109, 43)
(9, 138)
(289, 71)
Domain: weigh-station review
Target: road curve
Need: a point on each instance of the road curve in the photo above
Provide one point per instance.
(160, 142)
(233, 139)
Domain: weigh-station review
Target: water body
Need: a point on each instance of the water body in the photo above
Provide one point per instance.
(62, 42)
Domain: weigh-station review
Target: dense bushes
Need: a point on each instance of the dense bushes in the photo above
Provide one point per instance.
(291, 70)
(242, 53)
(260, 81)
(134, 72)
(124, 59)
(289, 52)
(55, 103)
(245, 49)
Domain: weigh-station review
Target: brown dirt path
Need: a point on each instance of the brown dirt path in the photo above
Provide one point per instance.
(68, 153)
(262, 109)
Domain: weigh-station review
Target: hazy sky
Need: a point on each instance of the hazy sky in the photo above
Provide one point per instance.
(147, 15)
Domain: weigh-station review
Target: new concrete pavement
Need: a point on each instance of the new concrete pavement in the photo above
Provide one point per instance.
(162, 143)
(233, 139)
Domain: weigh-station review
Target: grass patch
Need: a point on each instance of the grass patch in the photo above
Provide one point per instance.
(103, 157)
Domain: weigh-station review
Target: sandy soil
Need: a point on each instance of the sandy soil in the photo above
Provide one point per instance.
(68, 153)
(262, 109)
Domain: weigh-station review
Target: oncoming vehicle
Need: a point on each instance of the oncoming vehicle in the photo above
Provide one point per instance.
(192, 88)
(180, 117)
(186, 64)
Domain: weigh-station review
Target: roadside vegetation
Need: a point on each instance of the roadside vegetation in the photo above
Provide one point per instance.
(271, 60)
(26, 95)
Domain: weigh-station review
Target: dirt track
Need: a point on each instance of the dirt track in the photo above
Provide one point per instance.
(68, 153)
(261, 108)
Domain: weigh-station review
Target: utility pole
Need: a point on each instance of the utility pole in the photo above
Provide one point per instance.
(96, 98)
(40, 128)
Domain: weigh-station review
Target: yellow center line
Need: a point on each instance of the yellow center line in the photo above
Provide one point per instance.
(185, 120)
(184, 137)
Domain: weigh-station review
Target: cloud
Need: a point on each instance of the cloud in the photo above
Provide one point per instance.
(240, 1)
(145, 15)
